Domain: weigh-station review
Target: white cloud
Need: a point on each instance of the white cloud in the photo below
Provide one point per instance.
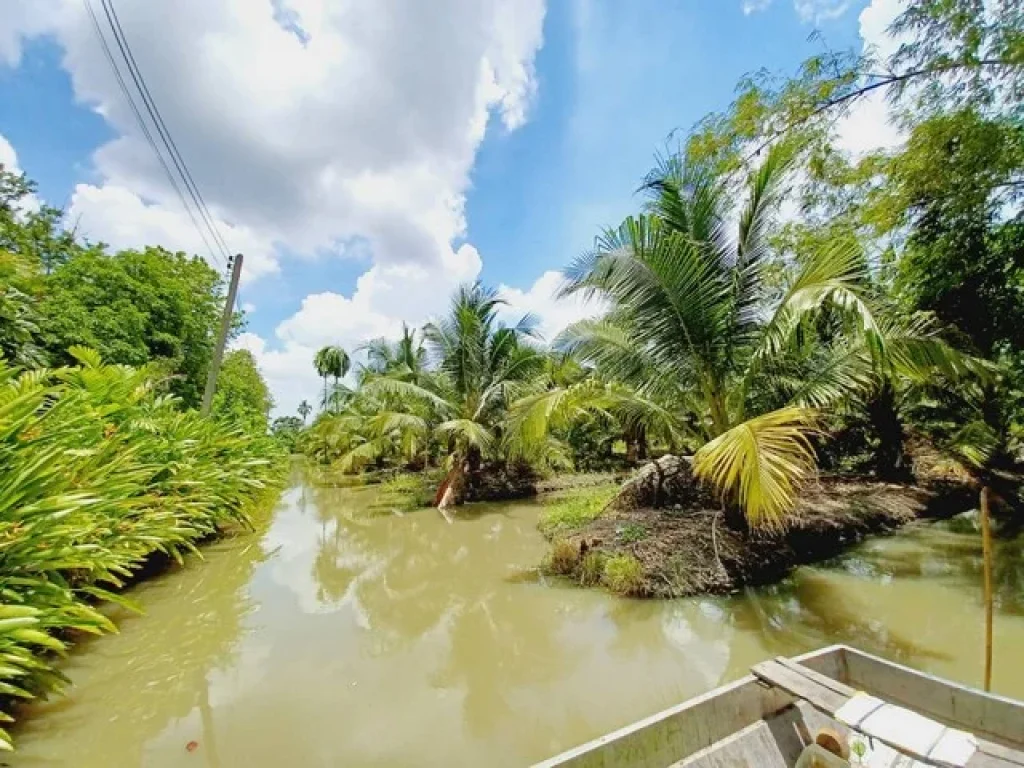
(308, 125)
(817, 11)
(754, 6)
(869, 126)
(540, 300)
(9, 160)
(120, 218)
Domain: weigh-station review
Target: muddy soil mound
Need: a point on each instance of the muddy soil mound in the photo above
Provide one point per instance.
(686, 549)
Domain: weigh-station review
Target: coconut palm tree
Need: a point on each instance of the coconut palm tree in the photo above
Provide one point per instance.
(331, 361)
(404, 359)
(479, 367)
(697, 332)
(304, 410)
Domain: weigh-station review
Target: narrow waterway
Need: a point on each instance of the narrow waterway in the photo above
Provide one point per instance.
(333, 637)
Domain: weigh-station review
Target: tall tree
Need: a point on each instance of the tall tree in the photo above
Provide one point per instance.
(331, 361)
(696, 323)
(304, 410)
(242, 394)
(136, 307)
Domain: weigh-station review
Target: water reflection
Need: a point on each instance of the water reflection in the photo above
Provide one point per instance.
(338, 636)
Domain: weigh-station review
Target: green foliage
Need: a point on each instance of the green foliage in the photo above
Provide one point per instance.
(623, 575)
(405, 492)
(287, 431)
(631, 533)
(242, 395)
(137, 307)
(575, 510)
(98, 473)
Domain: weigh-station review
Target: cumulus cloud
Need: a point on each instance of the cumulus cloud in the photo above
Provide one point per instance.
(817, 11)
(553, 314)
(869, 125)
(9, 160)
(308, 125)
(117, 216)
(754, 6)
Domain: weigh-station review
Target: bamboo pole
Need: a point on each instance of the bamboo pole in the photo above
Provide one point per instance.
(986, 548)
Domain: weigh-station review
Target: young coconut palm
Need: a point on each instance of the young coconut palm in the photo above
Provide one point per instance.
(691, 326)
(696, 329)
(481, 367)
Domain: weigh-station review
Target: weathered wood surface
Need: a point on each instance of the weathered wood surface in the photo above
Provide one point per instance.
(752, 747)
(828, 696)
(800, 686)
(995, 718)
(676, 733)
(697, 728)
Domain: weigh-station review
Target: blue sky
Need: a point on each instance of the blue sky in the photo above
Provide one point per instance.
(363, 164)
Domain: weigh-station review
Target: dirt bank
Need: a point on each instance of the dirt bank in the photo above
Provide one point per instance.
(675, 551)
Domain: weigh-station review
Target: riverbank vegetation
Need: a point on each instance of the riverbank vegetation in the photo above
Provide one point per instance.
(779, 309)
(106, 468)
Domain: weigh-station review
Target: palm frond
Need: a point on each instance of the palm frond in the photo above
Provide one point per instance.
(468, 432)
(761, 463)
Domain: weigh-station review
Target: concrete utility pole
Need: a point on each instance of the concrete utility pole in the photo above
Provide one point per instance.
(225, 326)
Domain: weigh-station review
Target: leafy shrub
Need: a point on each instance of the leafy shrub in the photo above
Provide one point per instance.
(406, 491)
(623, 575)
(97, 473)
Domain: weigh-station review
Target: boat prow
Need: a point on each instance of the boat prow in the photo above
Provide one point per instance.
(889, 714)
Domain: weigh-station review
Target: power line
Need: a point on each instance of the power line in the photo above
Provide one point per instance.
(165, 135)
(144, 128)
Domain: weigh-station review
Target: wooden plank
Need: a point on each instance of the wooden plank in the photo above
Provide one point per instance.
(679, 731)
(1007, 755)
(995, 717)
(753, 747)
(682, 730)
(824, 680)
(799, 685)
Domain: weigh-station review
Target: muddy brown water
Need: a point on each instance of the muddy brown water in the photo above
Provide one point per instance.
(335, 638)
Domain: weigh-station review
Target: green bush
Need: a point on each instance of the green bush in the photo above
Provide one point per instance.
(623, 575)
(97, 473)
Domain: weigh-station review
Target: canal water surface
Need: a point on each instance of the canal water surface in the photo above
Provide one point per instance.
(339, 636)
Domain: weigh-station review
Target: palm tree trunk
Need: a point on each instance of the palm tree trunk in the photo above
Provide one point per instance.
(735, 518)
(891, 462)
(986, 548)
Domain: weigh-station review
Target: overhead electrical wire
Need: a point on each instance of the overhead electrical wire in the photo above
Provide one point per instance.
(161, 126)
(145, 128)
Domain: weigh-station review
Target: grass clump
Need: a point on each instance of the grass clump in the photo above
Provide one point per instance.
(572, 512)
(407, 491)
(592, 568)
(563, 557)
(623, 575)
